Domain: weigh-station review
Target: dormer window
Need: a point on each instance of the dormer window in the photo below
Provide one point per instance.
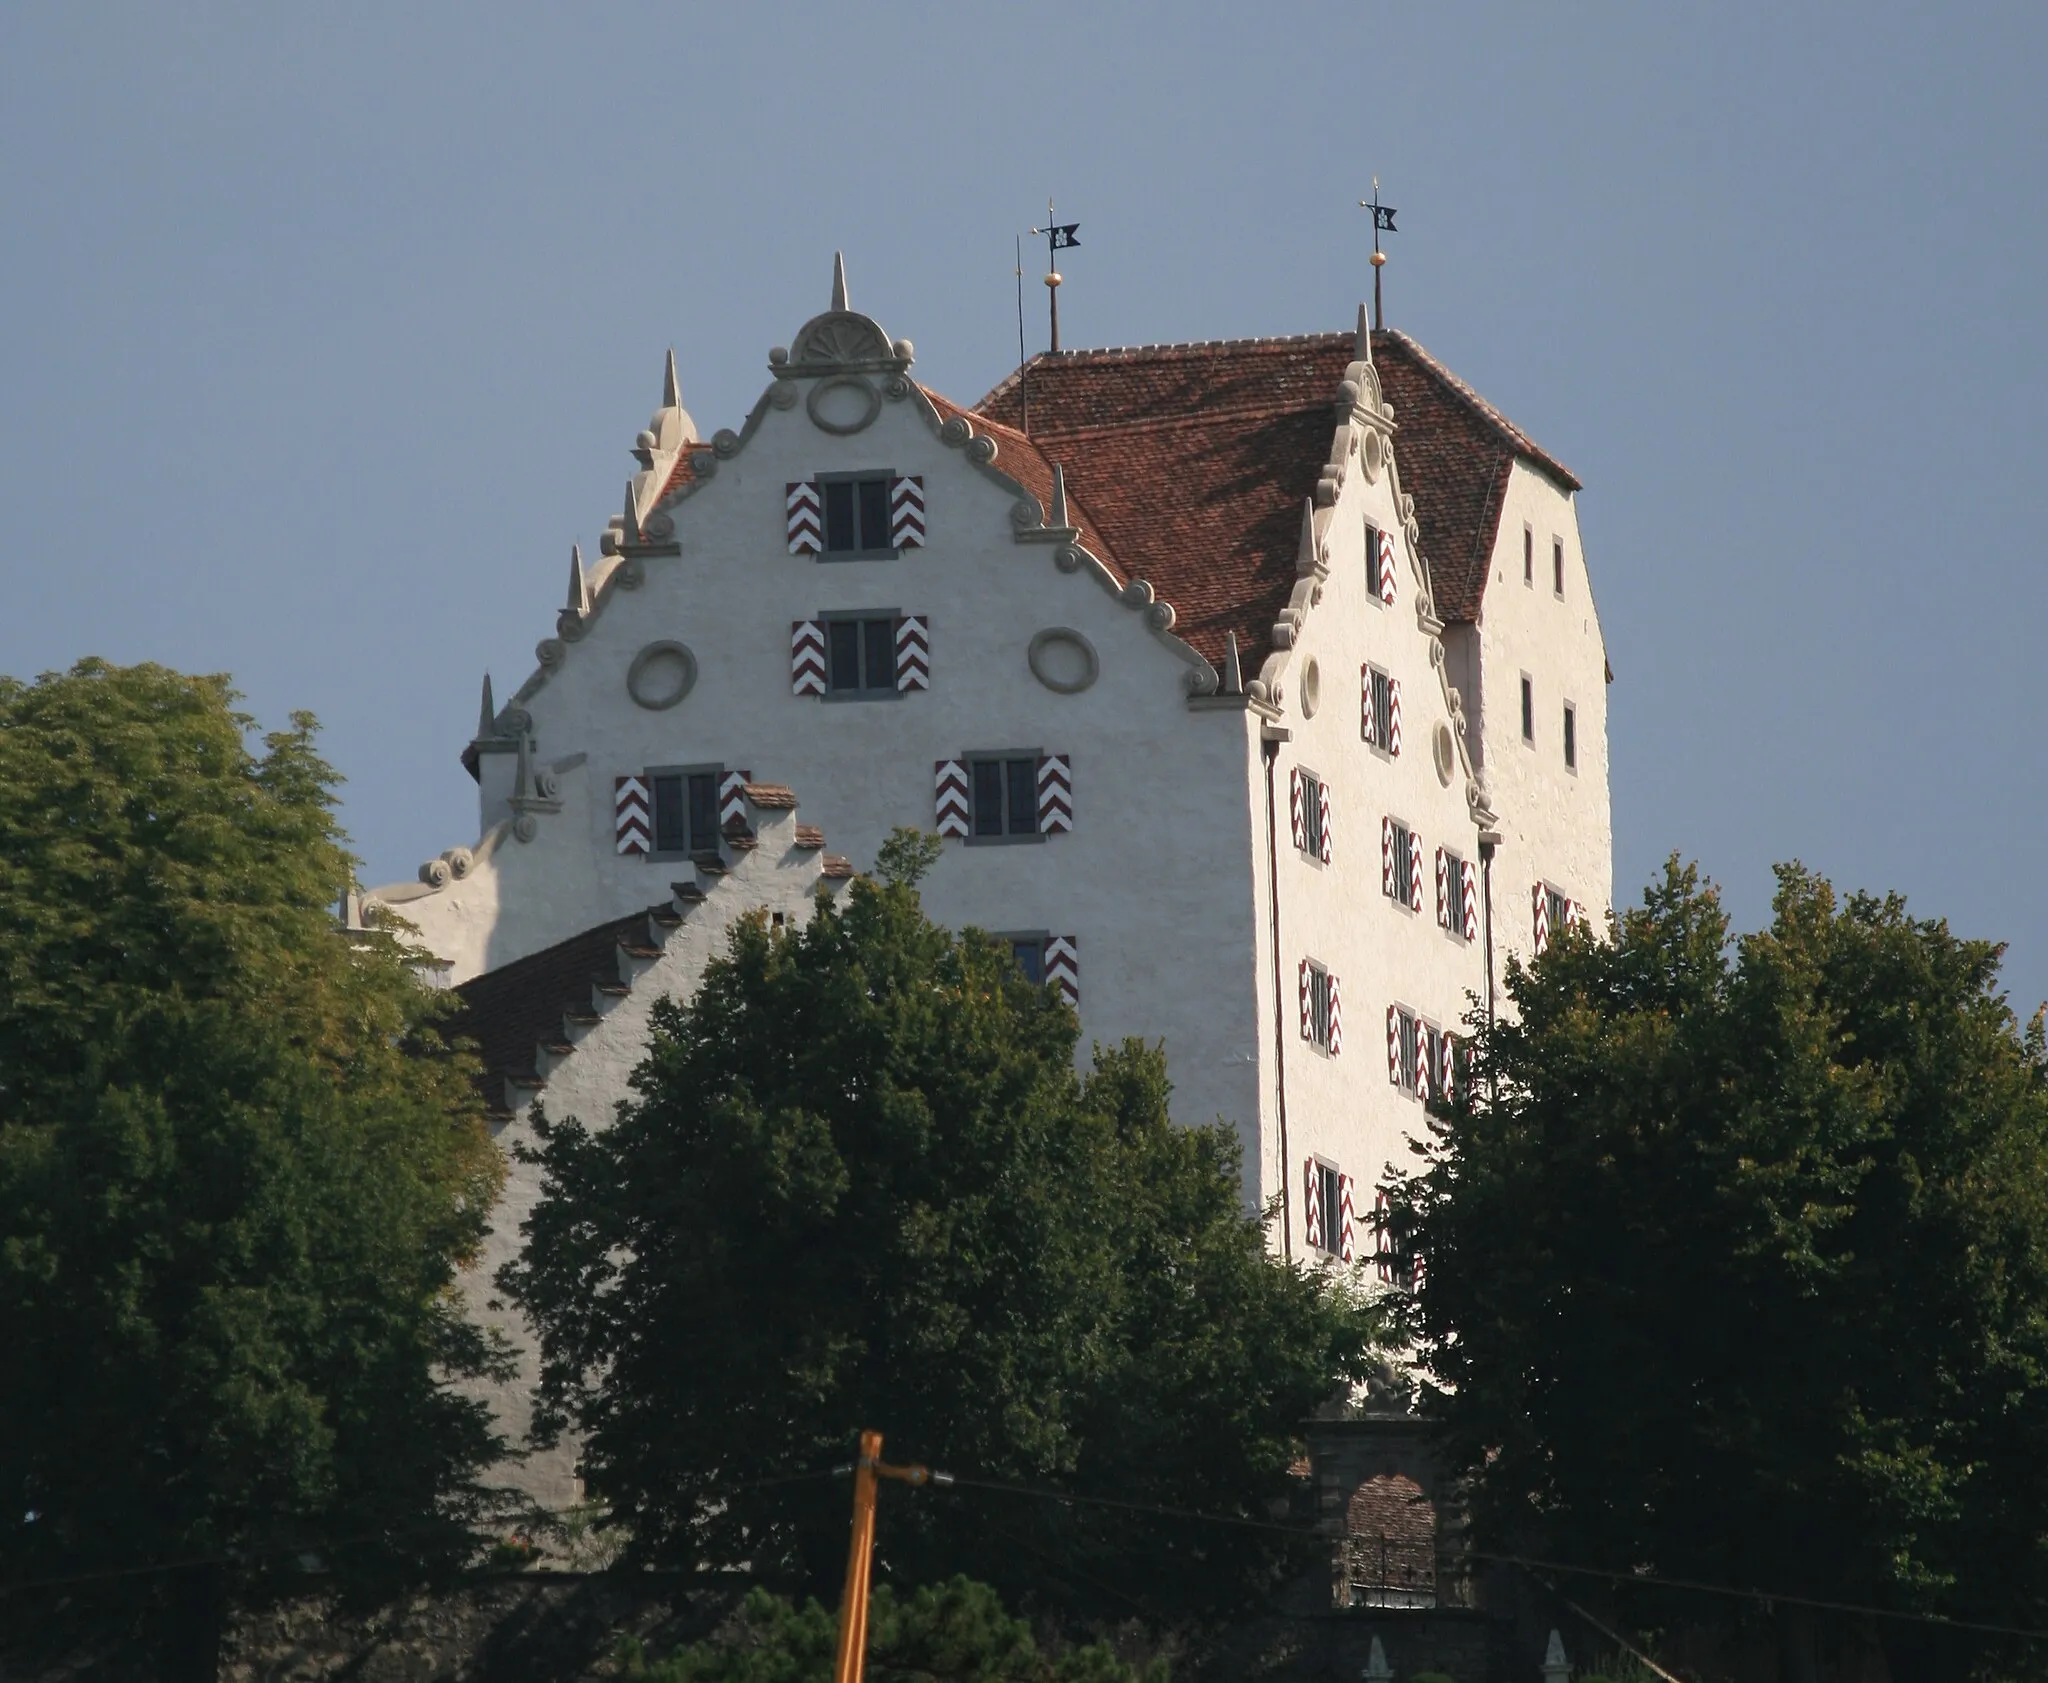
(857, 515)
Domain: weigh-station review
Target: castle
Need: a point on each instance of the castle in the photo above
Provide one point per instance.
(1255, 686)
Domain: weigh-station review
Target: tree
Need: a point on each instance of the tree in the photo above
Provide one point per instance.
(859, 1184)
(954, 1633)
(1737, 1259)
(238, 1168)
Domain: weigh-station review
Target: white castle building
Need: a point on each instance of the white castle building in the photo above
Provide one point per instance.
(1256, 687)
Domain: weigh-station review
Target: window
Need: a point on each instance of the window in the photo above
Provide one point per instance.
(1571, 737)
(1558, 905)
(1379, 708)
(1432, 1053)
(1330, 1190)
(1528, 709)
(1454, 894)
(1004, 792)
(1319, 1016)
(1313, 842)
(860, 656)
(1029, 952)
(1408, 1049)
(685, 811)
(1375, 571)
(1557, 565)
(857, 514)
(1529, 556)
(1400, 879)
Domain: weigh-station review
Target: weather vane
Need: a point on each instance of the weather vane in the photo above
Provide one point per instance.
(1382, 218)
(1058, 237)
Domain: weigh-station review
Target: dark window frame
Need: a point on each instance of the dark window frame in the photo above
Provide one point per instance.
(1410, 1027)
(1372, 565)
(1454, 894)
(1400, 890)
(1528, 710)
(694, 844)
(1318, 1005)
(863, 617)
(826, 483)
(1330, 1183)
(1311, 815)
(1559, 905)
(1382, 682)
(1528, 555)
(1557, 566)
(1571, 736)
(1016, 939)
(1009, 759)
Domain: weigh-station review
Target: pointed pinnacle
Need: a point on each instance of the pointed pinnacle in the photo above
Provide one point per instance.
(839, 281)
(579, 584)
(1308, 532)
(631, 533)
(671, 387)
(1363, 353)
(522, 784)
(1059, 497)
(1233, 666)
(487, 715)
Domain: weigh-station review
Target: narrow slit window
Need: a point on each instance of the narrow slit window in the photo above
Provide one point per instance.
(1528, 555)
(1528, 710)
(1557, 565)
(1571, 737)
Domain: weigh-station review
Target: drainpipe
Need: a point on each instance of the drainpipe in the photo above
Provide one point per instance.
(1269, 745)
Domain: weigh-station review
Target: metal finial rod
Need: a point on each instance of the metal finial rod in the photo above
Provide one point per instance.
(1058, 237)
(1382, 217)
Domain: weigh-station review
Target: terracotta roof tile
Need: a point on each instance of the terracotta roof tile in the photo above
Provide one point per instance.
(512, 1010)
(772, 795)
(1193, 461)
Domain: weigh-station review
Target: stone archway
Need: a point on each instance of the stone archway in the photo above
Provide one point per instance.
(1390, 1544)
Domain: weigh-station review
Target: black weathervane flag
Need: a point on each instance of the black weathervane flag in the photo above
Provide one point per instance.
(1059, 238)
(1383, 219)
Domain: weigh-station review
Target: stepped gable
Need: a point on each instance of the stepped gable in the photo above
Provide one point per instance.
(1194, 461)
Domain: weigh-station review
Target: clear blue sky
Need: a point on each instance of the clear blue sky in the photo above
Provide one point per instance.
(326, 329)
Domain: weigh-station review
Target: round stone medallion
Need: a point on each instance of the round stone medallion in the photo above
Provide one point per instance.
(661, 675)
(1063, 660)
(1311, 689)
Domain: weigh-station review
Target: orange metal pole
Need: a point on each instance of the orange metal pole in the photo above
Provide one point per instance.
(853, 1604)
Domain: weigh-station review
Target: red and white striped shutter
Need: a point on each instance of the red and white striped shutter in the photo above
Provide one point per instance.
(1055, 794)
(1414, 870)
(1443, 890)
(1336, 1016)
(1306, 1029)
(906, 511)
(806, 517)
(1471, 897)
(1063, 967)
(632, 828)
(1323, 801)
(1294, 808)
(1387, 857)
(732, 797)
(913, 653)
(1542, 907)
(1394, 1044)
(1365, 701)
(1312, 1204)
(1394, 717)
(1387, 568)
(806, 657)
(1446, 1058)
(1421, 1061)
(1347, 1215)
(950, 813)
(1382, 1238)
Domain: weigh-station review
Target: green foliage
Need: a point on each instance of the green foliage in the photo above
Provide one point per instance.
(237, 1169)
(954, 1633)
(1737, 1258)
(860, 1185)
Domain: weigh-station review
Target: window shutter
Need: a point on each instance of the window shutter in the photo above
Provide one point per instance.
(1394, 717)
(1414, 871)
(1471, 877)
(913, 653)
(1336, 1017)
(1063, 967)
(806, 517)
(632, 829)
(1446, 1052)
(906, 511)
(1055, 794)
(1387, 568)
(1323, 799)
(1365, 702)
(1443, 890)
(1542, 903)
(1382, 1238)
(951, 815)
(1394, 1044)
(806, 657)
(1306, 1029)
(1294, 808)
(1422, 1051)
(732, 797)
(1347, 1215)
(1387, 857)
(1312, 1205)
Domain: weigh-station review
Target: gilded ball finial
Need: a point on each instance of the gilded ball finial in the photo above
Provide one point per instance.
(1379, 259)
(1053, 278)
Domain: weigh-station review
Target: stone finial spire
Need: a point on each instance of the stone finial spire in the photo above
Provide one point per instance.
(1233, 665)
(487, 714)
(671, 387)
(1376, 1668)
(1058, 512)
(839, 281)
(1363, 351)
(1556, 1668)
(579, 581)
(630, 526)
(1308, 558)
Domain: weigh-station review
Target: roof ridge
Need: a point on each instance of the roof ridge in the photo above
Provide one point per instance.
(1510, 434)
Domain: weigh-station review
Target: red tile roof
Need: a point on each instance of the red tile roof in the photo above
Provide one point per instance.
(1192, 463)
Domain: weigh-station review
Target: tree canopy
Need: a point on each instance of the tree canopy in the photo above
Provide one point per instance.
(1736, 1257)
(237, 1168)
(859, 1184)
